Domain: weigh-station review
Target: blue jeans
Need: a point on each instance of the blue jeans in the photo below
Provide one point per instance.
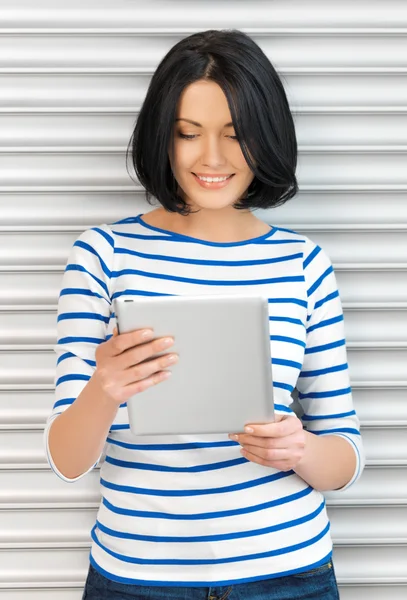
(316, 584)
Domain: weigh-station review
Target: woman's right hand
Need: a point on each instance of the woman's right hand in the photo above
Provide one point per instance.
(122, 368)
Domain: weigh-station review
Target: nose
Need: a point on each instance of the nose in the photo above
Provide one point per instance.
(213, 153)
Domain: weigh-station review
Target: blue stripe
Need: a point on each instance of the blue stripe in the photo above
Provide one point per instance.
(81, 292)
(324, 347)
(327, 394)
(341, 430)
(128, 292)
(72, 377)
(142, 236)
(283, 408)
(283, 338)
(87, 340)
(90, 249)
(292, 279)
(200, 492)
(286, 363)
(91, 363)
(311, 256)
(326, 299)
(207, 515)
(325, 323)
(283, 386)
(224, 582)
(211, 561)
(72, 267)
(318, 282)
(287, 320)
(306, 417)
(64, 402)
(211, 538)
(83, 315)
(217, 263)
(317, 372)
(164, 468)
(105, 235)
(171, 447)
(282, 242)
(288, 301)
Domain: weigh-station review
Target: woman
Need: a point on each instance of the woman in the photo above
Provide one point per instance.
(179, 518)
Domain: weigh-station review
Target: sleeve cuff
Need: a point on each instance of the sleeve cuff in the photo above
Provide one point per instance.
(359, 463)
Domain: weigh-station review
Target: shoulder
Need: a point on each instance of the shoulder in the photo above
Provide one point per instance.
(98, 236)
(310, 249)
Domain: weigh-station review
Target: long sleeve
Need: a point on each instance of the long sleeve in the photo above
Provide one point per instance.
(325, 393)
(84, 308)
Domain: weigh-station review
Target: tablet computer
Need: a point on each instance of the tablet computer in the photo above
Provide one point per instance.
(223, 378)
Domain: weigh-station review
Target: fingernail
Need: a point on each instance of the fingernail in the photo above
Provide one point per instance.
(233, 436)
(248, 430)
(147, 334)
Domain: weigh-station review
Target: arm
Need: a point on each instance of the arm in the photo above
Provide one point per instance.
(333, 456)
(81, 417)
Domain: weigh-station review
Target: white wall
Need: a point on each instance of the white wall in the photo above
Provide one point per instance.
(72, 77)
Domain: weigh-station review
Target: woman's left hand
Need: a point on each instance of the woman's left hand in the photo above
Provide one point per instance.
(280, 444)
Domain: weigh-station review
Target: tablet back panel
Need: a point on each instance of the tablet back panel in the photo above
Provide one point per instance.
(223, 377)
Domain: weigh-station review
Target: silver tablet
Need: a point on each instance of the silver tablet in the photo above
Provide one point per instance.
(223, 378)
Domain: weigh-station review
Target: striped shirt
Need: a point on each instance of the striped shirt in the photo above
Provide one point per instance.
(189, 510)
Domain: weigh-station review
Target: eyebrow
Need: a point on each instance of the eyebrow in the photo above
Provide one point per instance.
(199, 124)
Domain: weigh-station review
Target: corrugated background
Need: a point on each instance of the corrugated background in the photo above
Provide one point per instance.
(72, 78)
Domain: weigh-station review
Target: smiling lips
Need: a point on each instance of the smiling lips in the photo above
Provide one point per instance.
(213, 184)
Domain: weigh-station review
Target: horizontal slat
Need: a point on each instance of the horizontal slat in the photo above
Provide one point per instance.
(112, 50)
(377, 485)
(28, 526)
(374, 563)
(349, 208)
(347, 246)
(33, 487)
(315, 13)
(371, 563)
(382, 446)
(127, 90)
(87, 208)
(18, 130)
(356, 592)
(25, 367)
(41, 285)
(361, 325)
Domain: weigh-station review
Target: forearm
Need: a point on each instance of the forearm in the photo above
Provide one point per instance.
(329, 462)
(77, 436)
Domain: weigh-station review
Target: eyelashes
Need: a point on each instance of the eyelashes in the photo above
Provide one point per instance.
(191, 137)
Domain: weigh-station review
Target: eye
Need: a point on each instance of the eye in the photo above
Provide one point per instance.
(191, 137)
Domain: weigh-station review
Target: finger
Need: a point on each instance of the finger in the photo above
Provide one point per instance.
(143, 384)
(124, 341)
(266, 453)
(145, 352)
(280, 465)
(147, 368)
(261, 442)
(285, 427)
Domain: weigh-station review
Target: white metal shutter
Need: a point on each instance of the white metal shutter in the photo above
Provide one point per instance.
(72, 76)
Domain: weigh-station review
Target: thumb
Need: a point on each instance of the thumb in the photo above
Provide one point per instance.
(115, 332)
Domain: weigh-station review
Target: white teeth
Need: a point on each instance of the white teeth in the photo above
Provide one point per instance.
(213, 179)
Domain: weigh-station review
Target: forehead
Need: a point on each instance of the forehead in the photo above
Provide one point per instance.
(204, 102)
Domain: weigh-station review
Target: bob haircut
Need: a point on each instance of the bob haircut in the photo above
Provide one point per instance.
(258, 105)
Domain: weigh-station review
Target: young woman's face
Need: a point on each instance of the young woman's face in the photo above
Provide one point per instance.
(211, 149)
